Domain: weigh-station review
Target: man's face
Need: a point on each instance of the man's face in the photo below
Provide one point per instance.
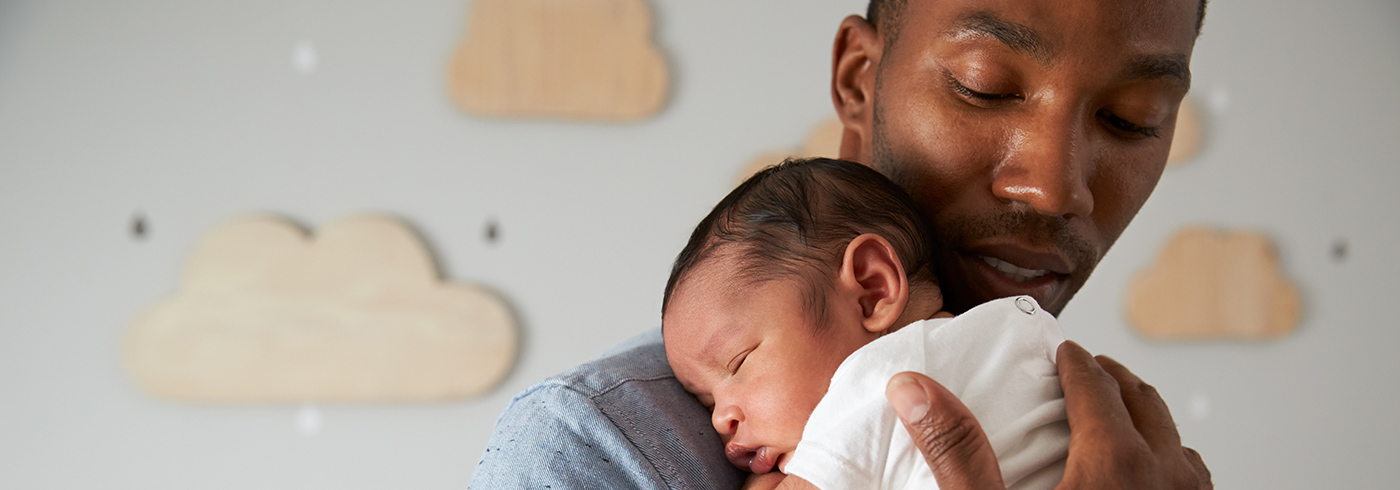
(752, 355)
(1030, 131)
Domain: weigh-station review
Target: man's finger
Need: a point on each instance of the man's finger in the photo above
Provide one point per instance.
(1105, 449)
(945, 431)
(1093, 401)
(1150, 414)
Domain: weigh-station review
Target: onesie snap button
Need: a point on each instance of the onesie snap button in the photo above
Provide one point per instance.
(1026, 304)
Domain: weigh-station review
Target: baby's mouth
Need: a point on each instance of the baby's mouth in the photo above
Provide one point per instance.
(757, 461)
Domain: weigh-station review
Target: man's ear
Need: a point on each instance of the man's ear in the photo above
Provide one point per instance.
(855, 59)
(872, 276)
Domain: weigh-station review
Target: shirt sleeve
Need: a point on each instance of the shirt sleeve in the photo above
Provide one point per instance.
(619, 422)
(557, 438)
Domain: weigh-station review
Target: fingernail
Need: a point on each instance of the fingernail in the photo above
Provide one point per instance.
(908, 399)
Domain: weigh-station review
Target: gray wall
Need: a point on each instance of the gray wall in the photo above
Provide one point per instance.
(191, 112)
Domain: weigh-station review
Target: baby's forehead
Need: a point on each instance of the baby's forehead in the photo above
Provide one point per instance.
(719, 290)
(720, 274)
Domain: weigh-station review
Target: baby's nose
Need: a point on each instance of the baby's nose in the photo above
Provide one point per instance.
(726, 420)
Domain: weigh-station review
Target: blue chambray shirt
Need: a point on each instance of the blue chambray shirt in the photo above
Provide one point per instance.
(621, 421)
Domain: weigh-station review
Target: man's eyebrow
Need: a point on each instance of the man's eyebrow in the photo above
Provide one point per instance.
(1018, 37)
(1156, 66)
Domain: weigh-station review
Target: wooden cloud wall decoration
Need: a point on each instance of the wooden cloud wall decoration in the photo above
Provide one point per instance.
(267, 314)
(1214, 285)
(559, 59)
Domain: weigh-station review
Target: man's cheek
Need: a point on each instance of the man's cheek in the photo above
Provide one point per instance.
(1120, 196)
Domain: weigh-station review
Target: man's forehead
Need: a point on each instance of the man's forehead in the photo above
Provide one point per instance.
(1037, 26)
(1158, 49)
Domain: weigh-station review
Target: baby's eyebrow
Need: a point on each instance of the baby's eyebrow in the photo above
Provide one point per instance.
(711, 349)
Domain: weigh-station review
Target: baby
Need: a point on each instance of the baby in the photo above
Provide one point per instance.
(802, 293)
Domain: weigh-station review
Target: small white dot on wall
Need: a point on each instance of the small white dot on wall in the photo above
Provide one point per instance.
(309, 420)
(304, 57)
(1218, 100)
(1198, 406)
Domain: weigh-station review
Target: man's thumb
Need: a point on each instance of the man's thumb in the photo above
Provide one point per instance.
(945, 431)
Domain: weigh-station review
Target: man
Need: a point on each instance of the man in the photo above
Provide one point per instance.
(1031, 131)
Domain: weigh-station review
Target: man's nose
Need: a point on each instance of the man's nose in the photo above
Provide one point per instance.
(1047, 167)
(726, 419)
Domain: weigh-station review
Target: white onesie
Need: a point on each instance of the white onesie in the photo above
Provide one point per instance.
(998, 358)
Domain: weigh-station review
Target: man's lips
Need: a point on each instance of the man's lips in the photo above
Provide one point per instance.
(1016, 261)
(1011, 271)
(1001, 271)
(757, 461)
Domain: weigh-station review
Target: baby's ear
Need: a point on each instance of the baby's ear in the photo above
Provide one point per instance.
(871, 273)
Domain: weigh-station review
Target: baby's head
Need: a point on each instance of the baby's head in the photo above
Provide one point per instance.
(791, 272)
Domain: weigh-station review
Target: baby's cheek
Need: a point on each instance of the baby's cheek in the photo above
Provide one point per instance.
(797, 409)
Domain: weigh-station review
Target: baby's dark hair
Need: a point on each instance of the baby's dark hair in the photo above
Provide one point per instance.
(796, 219)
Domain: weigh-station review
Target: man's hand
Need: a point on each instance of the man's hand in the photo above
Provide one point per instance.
(1121, 433)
